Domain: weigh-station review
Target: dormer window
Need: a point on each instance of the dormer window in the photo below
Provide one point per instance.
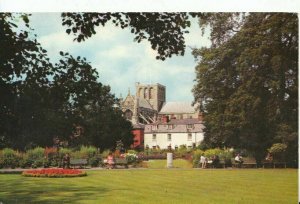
(170, 127)
(189, 126)
(154, 127)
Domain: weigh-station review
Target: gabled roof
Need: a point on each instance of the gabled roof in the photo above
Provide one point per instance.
(177, 107)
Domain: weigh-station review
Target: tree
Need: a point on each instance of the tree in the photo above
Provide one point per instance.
(163, 30)
(247, 81)
(41, 100)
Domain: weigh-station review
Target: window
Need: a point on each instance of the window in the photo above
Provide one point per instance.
(151, 93)
(189, 137)
(170, 127)
(154, 137)
(189, 126)
(169, 137)
(146, 93)
(154, 127)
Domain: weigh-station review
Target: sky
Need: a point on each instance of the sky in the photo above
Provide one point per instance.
(119, 60)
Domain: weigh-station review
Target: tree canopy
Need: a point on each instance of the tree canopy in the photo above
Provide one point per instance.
(164, 31)
(247, 81)
(41, 100)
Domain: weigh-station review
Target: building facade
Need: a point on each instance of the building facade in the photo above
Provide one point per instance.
(173, 133)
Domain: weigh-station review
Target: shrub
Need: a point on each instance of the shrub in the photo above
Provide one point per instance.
(278, 151)
(84, 153)
(9, 158)
(36, 157)
(105, 153)
(131, 158)
(211, 152)
(196, 157)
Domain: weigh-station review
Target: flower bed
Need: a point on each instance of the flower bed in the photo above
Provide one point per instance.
(54, 173)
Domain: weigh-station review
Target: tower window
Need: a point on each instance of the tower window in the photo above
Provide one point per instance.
(154, 137)
(145, 93)
(150, 93)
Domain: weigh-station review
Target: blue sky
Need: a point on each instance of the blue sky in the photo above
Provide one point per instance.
(120, 61)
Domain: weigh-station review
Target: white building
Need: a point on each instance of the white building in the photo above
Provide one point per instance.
(173, 133)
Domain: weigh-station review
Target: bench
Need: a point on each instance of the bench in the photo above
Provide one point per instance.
(220, 164)
(272, 164)
(248, 163)
(78, 162)
(118, 162)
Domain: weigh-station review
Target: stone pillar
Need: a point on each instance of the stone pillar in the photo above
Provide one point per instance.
(169, 160)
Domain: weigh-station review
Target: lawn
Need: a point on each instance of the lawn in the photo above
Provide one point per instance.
(156, 186)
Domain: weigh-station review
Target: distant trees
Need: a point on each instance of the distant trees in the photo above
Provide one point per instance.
(247, 81)
(41, 100)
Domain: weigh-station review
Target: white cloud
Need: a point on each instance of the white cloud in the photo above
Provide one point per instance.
(122, 62)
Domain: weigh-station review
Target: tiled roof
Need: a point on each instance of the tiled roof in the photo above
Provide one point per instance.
(138, 126)
(177, 107)
(175, 126)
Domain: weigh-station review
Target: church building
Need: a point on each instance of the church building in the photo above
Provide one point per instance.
(148, 109)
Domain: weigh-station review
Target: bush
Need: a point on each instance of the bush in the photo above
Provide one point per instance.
(211, 152)
(278, 151)
(87, 152)
(36, 157)
(196, 157)
(105, 153)
(9, 158)
(131, 158)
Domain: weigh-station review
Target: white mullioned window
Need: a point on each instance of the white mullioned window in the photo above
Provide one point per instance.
(153, 137)
(169, 137)
(189, 138)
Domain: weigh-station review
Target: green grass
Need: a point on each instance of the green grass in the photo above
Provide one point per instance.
(156, 186)
(177, 163)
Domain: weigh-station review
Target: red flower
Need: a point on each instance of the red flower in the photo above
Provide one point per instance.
(55, 172)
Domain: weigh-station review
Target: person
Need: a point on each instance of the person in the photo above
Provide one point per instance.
(66, 161)
(239, 160)
(203, 161)
(269, 157)
(110, 160)
(215, 161)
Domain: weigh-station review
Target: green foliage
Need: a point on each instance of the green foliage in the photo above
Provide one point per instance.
(9, 158)
(224, 155)
(247, 81)
(88, 151)
(41, 100)
(196, 157)
(131, 158)
(164, 31)
(211, 152)
(105, 153)
(277, 148)
(35, 157)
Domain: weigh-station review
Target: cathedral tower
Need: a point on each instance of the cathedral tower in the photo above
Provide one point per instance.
(155, 94)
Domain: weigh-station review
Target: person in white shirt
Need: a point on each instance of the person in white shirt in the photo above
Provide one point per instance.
(203, 161)
(239, 159)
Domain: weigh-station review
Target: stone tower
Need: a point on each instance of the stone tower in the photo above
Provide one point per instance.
(155, 94)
